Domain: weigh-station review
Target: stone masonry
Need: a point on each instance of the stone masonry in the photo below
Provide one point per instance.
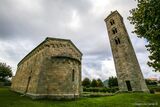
(128, 71)
(51, 70)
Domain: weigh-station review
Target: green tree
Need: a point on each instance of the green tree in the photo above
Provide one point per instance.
(151, 82)
(112, 82)
(94, 83)
(99, 83)
(86, 82)
(5, 71)
(146, 19)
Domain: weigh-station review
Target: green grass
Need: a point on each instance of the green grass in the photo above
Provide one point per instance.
(11, 99)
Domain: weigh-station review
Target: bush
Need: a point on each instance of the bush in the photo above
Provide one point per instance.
(97, 89)
(154, 88)
(7, 83)
(113, 89)
(151, 91)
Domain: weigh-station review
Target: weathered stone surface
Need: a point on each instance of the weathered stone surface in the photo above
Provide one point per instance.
(128, 71)
(52, 70)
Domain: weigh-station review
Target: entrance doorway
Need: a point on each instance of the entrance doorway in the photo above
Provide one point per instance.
(128, 85)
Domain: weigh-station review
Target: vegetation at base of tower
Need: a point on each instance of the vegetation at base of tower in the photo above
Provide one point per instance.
(5, 71)
(11, 99)
(146, 18)
(151, 82)
(112, 82)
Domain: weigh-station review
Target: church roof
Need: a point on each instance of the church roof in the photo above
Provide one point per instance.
(47, 39)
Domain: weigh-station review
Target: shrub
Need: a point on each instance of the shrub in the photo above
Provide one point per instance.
(97, 89)
(151, 91)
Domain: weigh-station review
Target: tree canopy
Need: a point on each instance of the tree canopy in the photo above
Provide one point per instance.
(94, 83)
(112, 82)
(146, 19)
(86, 82)
(99, 83)
(5, 71)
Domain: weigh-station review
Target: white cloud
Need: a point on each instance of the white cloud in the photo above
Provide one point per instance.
(75, 23)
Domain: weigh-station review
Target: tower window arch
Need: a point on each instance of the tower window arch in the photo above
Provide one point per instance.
(117, 41)
(112, 22)
(114, 30)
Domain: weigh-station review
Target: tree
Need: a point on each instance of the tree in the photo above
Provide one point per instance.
(112, 82)
(94, 83)
(86, 82)
(151, 82)
(5, 71)
(99, 83)
(146, 18)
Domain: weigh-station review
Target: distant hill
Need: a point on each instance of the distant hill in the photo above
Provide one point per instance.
(105, 83)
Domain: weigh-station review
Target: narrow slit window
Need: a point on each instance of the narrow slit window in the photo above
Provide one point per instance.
(73, 75)
(112, 22)
(119, 41)
(114, 30)
(116, 41)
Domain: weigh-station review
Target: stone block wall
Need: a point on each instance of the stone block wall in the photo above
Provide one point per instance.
(126, 63)
(47, 71)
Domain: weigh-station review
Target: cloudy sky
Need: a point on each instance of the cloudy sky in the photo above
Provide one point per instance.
(26, 23)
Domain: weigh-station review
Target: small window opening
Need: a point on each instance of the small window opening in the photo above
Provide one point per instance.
(73, 75)
(112, 22)
(114, 30)
(117, 41)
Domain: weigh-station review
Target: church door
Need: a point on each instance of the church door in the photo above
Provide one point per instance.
(128, 85)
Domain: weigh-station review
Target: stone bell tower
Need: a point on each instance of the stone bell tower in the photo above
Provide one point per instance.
(128, 71)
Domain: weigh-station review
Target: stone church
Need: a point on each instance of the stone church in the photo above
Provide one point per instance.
(128, 71)
(51, 70)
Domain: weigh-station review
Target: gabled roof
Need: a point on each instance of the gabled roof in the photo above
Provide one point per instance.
(47, 39)
(50, 38)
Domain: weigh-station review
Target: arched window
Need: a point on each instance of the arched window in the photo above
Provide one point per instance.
(73, 75)
(114, 30)
(117, 41)
(112, 22)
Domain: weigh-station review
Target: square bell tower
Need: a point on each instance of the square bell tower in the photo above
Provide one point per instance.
(129, 75)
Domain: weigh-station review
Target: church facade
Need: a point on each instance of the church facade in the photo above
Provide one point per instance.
(51, 70)
(128, 71)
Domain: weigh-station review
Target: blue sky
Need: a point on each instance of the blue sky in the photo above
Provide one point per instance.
(26, 23)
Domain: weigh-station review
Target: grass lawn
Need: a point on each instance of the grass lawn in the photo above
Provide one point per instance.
(11, 99)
